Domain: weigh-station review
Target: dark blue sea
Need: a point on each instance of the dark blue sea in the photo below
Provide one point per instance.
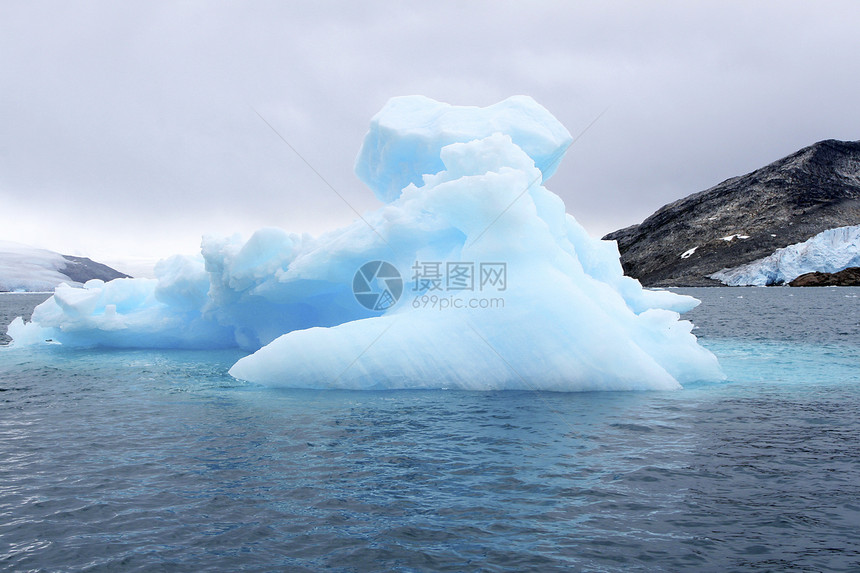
(159, 461)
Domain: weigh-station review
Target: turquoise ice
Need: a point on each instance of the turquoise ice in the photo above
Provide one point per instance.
(463, 189)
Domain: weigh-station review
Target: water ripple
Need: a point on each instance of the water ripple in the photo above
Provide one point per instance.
(140, 461)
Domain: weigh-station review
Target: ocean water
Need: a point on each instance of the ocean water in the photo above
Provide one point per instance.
(159, 461)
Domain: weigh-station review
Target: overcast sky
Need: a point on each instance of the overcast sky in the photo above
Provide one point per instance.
(128, 130)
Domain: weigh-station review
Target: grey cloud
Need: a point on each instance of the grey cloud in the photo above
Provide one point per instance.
(127, 123)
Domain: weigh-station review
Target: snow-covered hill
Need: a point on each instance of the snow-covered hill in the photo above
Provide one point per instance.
(827, 252)
(26, 268)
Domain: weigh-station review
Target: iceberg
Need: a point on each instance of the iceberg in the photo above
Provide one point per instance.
(829, 251)
(471, 275)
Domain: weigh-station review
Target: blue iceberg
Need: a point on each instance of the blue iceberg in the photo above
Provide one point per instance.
(471, 276)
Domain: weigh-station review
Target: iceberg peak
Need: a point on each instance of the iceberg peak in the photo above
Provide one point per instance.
(406, 137)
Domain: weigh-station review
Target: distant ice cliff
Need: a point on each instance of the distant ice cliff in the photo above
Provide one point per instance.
(827, 252)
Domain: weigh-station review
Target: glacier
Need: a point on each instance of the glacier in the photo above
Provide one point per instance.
(829, 251)
(490, 283)
(26, 268)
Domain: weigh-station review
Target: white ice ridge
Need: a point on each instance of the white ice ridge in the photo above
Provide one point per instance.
(567, 320)
(827, 252)
(26, 268)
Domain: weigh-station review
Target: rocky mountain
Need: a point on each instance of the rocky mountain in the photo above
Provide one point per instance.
(745, 218)
(26, 268)
(845, 277)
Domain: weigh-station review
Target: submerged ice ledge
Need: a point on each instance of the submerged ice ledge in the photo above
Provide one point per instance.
(463, 186)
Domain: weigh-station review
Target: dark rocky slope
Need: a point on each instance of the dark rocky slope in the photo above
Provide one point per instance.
(82, 269)
(786, 202)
